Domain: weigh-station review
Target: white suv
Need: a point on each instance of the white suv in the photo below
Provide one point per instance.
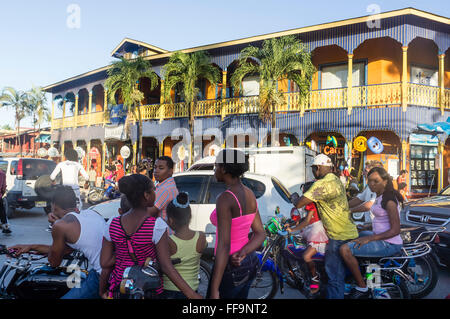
(21, 176)
(203, 190)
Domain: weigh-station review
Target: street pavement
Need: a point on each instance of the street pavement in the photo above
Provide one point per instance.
(30, 227)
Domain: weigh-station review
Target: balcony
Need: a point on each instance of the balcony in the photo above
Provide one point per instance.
(341, 98)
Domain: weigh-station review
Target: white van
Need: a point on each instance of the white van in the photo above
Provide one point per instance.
(290, 164)
(21, 176)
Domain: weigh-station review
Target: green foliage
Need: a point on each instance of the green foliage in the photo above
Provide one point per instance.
(278, 58)
(186, 70)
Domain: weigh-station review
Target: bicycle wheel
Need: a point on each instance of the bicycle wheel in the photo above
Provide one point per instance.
(204, 276)
(264, 286)
(423, 274)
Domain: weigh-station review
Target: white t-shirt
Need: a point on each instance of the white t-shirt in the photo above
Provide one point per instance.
(69, 171)
(158, 230)
(367, 196)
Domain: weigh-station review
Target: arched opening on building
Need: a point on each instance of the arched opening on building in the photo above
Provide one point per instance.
(150, 148)
(330, 143)
(58, 106)
(150, 96)
(423, 63)
(390, 156)
(98, 98)
(83, 101)
(331, 62)
(284, 139)
(95, 156)
(377, 61)
(249, 85)
(246, 140)
(69, 98)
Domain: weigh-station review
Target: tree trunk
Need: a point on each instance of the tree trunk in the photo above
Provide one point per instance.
(139, 146)
(274, 117)
(19, 139)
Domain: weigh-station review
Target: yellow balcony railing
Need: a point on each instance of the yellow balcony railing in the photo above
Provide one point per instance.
(361, 96)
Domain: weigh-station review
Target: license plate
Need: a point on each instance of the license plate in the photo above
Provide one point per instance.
(40, 204)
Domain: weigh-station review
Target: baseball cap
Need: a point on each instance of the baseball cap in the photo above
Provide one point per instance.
(322, 160)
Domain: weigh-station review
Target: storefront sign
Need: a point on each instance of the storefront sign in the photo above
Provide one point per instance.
(118, 114)
(423, 139)
(115, 132)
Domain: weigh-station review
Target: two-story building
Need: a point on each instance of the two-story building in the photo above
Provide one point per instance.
(376, 76)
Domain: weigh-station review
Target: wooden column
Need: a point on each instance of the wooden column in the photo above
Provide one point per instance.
(88, 159)
(404, 78)
(90, 107)
(441, 82)
(404, 154)
(64, 113)
(105, 106)
(224, 93)
(441, 166)
(103, 157)
(53, 115)
(350, 84)
(75, 115)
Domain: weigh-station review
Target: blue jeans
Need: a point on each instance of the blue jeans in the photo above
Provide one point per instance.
(236, 281)
(88, 288)
(379, 248)
(335, 269)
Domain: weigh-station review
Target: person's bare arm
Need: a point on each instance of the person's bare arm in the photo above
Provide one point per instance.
(107, 261)
(303, 201)
(58, 249)
(223, 211)
(354, 202)
(303, 224)
(366, 206)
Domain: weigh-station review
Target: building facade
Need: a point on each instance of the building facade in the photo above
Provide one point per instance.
(379, 79)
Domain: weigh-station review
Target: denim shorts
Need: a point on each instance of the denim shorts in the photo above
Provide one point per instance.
(378, 248)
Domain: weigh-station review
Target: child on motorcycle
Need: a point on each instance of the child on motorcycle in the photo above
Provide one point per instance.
(312, 230)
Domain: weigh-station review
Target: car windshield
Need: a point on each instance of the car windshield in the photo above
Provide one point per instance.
(3, 165)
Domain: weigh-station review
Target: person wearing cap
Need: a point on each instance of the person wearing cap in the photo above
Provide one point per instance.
(329, 194)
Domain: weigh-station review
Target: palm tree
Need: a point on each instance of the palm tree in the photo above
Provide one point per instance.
(278, 58)
(37, 108)
(18, 101)
(123, 77)
(186, 70)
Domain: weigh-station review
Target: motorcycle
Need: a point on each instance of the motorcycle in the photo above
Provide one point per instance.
(281, 261)
(30, 278)
(99, 194)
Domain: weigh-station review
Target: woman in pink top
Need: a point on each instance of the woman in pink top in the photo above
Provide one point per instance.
(235, 214)
(385, 239)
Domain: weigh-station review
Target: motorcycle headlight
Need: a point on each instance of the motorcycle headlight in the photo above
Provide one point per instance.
(126, 273)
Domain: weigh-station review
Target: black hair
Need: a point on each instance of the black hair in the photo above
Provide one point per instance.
(141, 167)
(401, 186)
(134, 186)
(124, 203)
(181, 216)
(64, 197)
(390, 193)
(234, 162)
(403, 171)
(71, 155)
(168, 160)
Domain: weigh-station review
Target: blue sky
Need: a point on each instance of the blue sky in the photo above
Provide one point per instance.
(38, 48)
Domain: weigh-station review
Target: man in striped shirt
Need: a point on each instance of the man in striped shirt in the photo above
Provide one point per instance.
(166, 189)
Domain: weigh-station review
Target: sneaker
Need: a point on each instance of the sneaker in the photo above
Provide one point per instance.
(356, 294)
(6, 229)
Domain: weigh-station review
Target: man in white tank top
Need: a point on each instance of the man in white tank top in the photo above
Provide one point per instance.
(73, 230)
(70, 169)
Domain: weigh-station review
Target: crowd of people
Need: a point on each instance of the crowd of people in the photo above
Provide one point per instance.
(154, 218)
